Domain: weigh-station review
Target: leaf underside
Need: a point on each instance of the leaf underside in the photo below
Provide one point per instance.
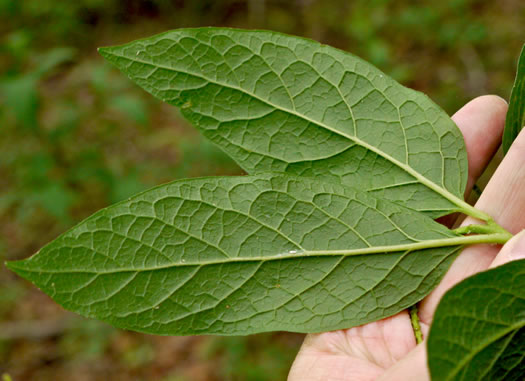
(240, 255)
(286, 104)
(483, 339)
(515, 119)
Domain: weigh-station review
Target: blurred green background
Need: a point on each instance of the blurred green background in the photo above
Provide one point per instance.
(76, 136)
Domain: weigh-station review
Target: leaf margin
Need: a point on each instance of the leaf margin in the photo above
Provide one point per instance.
(515, 119)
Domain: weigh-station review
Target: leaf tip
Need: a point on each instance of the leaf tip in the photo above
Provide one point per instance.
(104, 51)
(15, 266)
(21, 268)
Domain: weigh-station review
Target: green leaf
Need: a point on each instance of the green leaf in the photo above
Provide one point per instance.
(516, 114)
(280, 103)
(240, 255)
(478, 331)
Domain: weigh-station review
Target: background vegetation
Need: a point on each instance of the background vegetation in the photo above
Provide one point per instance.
(76, 136)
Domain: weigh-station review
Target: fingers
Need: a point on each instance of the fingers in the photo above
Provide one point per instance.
(360, 353)
(504, 196)
(504, 200)
(512, 251)
(481, 122)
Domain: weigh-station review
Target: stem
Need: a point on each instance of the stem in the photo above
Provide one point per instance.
(416, 327)
(490, 228)
(499, 237)
(469, 210)
(473, 229)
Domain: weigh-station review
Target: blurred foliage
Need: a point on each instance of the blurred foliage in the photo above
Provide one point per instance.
(77, 136)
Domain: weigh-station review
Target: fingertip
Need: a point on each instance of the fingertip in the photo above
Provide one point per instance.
(481, 122)
(495, 100)
(490, 102)
(496, 105)
(487, 110)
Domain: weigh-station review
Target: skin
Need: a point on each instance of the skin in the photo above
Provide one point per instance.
(386, 349)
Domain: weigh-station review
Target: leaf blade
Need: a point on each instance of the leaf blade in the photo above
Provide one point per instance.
(515, 119)
(479, 326)
(304, 108)
(161, 263)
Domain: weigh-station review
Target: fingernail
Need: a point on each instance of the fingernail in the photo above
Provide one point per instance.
(518, 248)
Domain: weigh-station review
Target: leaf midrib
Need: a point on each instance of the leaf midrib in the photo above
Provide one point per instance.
(462, 205)
(429, 244)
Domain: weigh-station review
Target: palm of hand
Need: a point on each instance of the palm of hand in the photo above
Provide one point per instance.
(387, 349)
(360, 353)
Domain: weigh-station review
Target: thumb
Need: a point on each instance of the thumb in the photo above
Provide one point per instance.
(513, 250)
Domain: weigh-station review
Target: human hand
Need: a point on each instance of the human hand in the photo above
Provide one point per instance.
(386, 349)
